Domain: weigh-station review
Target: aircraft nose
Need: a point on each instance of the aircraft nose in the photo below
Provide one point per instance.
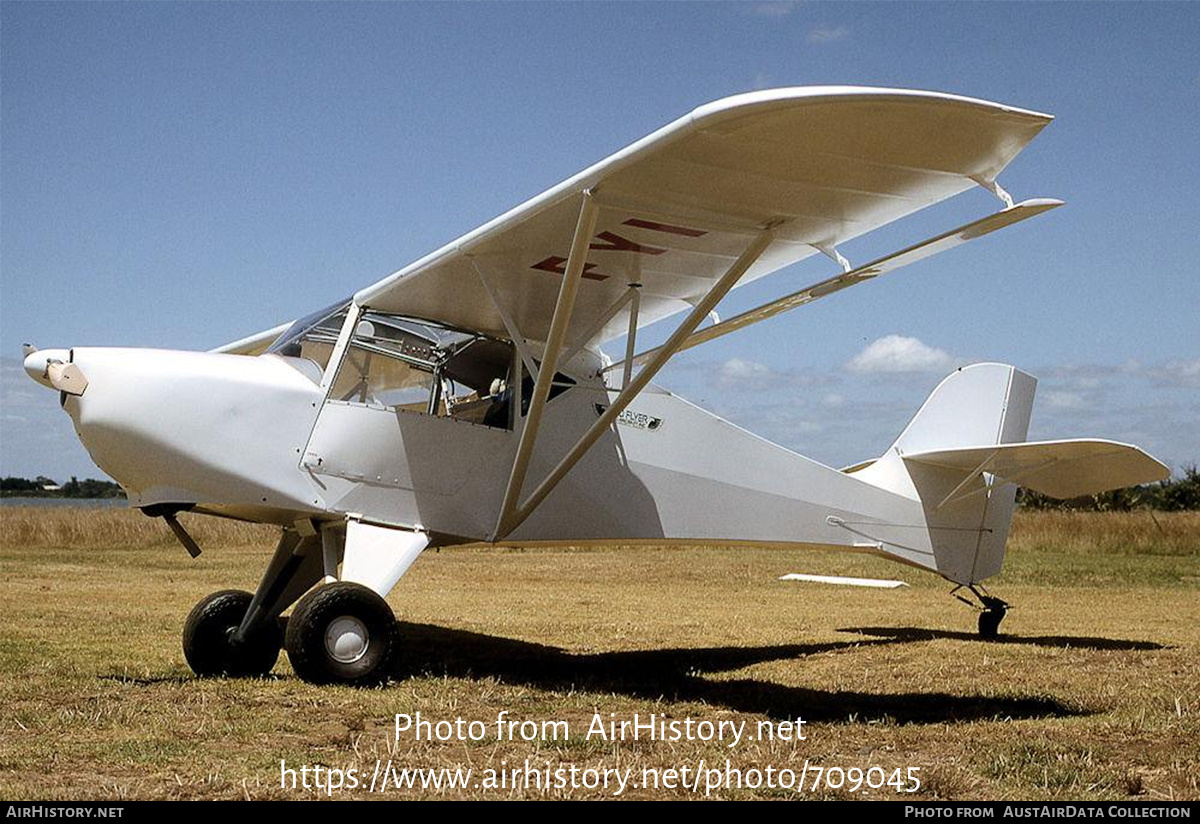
(37, 362)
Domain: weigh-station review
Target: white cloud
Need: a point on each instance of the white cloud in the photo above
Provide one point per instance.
(1178, 373)
(742, 374)
(738, 372)
(1064, 400)
(897, 353)
(776, 8)
(827, 34)
(833, 399)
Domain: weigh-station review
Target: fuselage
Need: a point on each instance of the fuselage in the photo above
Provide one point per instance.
(256, 437)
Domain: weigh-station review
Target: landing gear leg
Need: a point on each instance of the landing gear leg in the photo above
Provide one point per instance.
(235, 633)
(991, 610)
(342, 632)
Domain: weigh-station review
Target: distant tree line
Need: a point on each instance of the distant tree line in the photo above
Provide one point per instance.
(1171, 495)
(43, 487)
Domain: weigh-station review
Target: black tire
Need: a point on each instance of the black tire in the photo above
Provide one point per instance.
(208, 642)
(358, 655)
(989, 623)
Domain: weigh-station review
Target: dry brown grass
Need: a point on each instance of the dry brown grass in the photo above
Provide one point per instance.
(1141, 532)
(117, 528)
(1093, 693)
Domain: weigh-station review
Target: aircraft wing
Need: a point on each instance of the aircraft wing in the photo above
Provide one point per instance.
(254, 344)
(1060, 469)
(820, 165)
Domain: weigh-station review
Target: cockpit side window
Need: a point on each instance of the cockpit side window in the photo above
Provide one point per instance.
(379, 378)
(422, 367)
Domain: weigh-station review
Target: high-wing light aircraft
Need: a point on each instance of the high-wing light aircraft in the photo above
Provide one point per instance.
(466, 397)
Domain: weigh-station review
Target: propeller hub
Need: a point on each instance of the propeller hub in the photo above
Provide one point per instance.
(37, 363)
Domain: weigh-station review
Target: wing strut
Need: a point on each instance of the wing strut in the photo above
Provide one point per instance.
(513, 516)
(588, 211)
(889, 263)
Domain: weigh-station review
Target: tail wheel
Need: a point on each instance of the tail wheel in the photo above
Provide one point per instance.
(341, 633)
(991, 609)
(209, 644)
(989, 621)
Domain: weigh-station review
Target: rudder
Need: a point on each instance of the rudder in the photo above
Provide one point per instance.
(967, 518)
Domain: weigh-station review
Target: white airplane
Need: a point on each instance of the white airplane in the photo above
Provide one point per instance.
(466, 397)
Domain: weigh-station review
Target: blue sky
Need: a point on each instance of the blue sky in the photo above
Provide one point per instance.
(180, 175)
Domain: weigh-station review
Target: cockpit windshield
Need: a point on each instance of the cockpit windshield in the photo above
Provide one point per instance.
(412, 365)
(313, 336)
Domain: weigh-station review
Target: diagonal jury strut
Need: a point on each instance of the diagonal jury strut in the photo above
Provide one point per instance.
(518, 339)
(602, 321)
(663, 354)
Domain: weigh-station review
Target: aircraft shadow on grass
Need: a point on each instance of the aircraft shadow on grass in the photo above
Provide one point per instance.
(678, 674)
(913, 634)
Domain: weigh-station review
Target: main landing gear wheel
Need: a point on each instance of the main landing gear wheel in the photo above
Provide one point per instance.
(209, 644)
(341, 633)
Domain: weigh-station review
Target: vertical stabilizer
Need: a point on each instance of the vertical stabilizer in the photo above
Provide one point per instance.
(966, 515)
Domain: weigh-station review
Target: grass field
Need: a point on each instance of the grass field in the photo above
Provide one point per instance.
(1092, 693)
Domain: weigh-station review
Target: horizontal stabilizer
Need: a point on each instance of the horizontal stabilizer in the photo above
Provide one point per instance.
(876, 583)
(1060, 469)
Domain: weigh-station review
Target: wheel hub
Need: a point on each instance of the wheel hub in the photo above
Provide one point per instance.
(346, 639)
